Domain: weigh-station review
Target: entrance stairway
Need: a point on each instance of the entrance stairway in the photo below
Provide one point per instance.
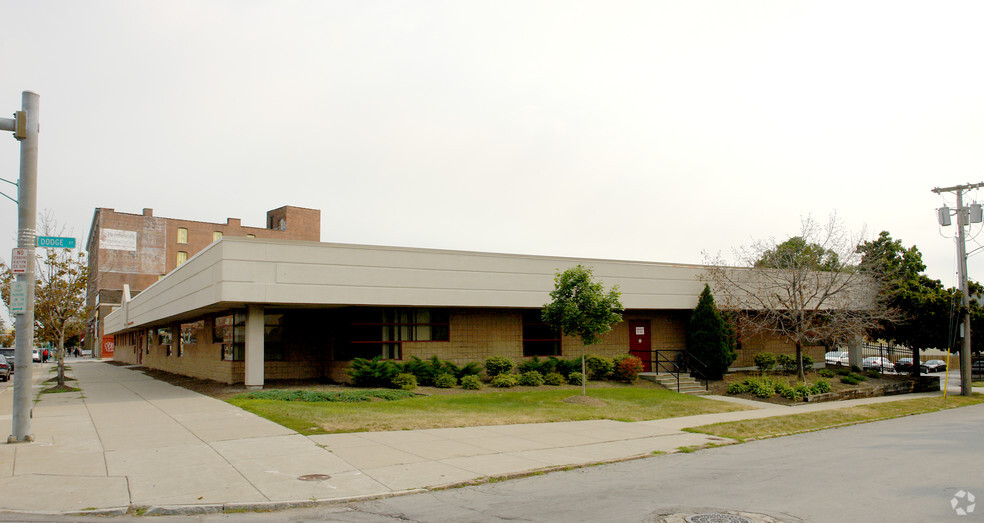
(688, 385)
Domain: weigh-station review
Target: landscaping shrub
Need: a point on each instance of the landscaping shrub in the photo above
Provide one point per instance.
(554, 378)
(825, 373)
(575, 378)
(445, 381)
(855, 368)
(786, 363)
(803, 390)
(710, 338)
(763, 389)
(505, 380)
(737, 388)
(765, 361)
(849, 379)
(599, 367)
(544, 367)
(566, 367)
(787, 391)
(471, 382)
(843, 372)
(873, 374)
(820, 387)
(405, 381)
(468, 369)
(807, 362)
(531, 379)
(627, 369)
(497, 365)
(376, 372)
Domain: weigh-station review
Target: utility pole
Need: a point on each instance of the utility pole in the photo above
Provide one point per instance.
(25, 127)
(964, 217)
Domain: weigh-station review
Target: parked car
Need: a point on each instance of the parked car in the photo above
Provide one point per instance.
(903, 365)
(9, 354)
(932, 366)
(877, 363)
(4, 369)
(836, 358)
(36, 355)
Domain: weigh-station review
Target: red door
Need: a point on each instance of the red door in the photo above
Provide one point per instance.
(640, 343)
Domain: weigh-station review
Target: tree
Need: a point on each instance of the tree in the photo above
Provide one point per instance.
(807, 289)
(710, 337)
(59, 292)
(581, 307)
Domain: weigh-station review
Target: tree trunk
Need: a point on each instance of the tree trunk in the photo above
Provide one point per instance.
(61, 359)
(799, 361)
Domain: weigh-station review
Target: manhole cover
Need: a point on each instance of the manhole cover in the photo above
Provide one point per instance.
(314, 477)
(717, 518)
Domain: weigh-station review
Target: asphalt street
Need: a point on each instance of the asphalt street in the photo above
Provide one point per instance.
(905, 469)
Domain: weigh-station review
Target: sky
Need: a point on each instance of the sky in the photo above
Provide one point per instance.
(651, 130)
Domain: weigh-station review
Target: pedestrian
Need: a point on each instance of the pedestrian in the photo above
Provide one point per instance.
(44, 356)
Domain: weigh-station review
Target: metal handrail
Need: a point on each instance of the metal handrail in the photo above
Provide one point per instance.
(666, 365)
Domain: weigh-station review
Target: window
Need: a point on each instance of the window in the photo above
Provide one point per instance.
(216, 236)
(182, 235)
(189, 335)
(382, 332)
(230, 331)
(164, 339)
(539, 339)
(182, 257)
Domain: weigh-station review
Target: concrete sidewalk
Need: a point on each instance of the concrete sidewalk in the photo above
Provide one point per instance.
(129, 440)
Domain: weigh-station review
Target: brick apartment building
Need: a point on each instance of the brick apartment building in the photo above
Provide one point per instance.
(137, 250)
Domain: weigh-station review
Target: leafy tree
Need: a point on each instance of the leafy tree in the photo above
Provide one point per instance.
(807, 289)
(710, 337)
(61, 276)
(581, 307)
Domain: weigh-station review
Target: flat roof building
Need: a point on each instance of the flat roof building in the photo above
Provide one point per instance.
(137, 250)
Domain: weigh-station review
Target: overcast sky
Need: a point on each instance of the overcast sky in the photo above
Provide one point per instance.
(643, 130)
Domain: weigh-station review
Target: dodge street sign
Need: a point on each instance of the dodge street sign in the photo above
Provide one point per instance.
(56, 242)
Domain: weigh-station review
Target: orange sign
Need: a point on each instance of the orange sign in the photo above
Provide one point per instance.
(108, 346)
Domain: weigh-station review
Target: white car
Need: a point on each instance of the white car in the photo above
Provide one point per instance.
(877, 363)
(36, 355)
(836, 358)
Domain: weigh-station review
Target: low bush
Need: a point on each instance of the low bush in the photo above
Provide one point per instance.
(737, 388)
(504, 381)
(531, 379)
(765, 361)
(807, 362)
(825, 373)
(803, 390)
(445, 381)
(822, 386)
(763, 389)
(471, 382)
(496, 365)
(849, 380)
(855, 368)
(873, 374)
(554, 378)
(786, 363)
(843, 372)
(376, 372)
(627, 369)
(544, 367)
(599, 367)
(566, 367)
(343, 396)
(405, 381)
(575, 378)
(787, 391)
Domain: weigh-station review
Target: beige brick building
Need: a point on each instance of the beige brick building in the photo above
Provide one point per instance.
(250, 310)
(137, 250)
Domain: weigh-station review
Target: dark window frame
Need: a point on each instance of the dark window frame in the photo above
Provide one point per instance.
(537, 335)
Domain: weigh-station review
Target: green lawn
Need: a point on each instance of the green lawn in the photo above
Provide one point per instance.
(782, 425)
(485, 408)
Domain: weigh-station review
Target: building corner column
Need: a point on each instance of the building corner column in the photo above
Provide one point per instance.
(254, 347)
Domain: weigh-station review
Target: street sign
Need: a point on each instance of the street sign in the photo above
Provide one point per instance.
(18, 261)
(18, 297)
(56, 242)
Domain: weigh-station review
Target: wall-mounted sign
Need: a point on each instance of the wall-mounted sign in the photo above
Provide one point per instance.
(640, 331)
(117, 240)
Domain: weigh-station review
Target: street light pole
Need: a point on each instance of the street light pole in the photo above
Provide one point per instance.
(25, 126)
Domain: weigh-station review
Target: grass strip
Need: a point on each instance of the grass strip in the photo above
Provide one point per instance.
(486, 408)
(825, 419)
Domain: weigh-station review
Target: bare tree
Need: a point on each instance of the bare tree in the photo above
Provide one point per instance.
(808, 289)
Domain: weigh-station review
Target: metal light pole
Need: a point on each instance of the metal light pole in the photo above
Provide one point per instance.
(25, 127)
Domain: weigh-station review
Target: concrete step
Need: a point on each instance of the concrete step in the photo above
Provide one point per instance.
(688, 385)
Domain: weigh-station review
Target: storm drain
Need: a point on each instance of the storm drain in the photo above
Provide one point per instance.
(717, 518)
(314, 477)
